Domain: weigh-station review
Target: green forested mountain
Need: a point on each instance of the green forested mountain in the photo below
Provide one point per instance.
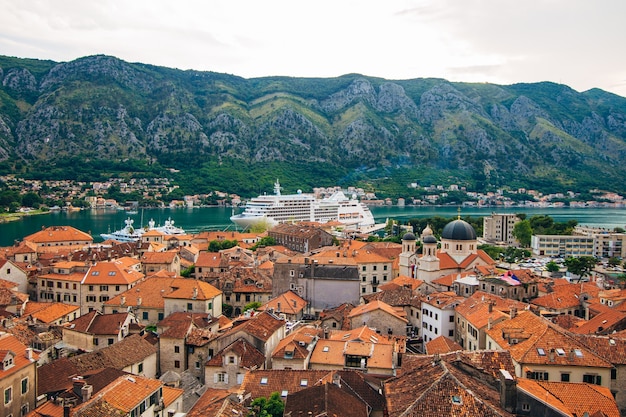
(100, 116)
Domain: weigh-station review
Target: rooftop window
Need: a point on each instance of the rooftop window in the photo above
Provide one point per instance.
(264, 380)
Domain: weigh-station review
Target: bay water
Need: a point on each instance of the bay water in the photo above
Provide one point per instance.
(194, 220)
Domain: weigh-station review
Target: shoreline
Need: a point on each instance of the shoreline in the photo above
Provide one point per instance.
(13, 217)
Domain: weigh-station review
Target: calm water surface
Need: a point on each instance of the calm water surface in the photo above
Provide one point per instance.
(218, 218)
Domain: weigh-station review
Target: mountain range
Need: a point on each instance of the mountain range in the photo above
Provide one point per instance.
(100, 111)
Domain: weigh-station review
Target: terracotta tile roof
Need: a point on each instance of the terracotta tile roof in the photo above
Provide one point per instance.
(188, 289)
(215, 403)
(132, 349)
(123, 394)
(296, 343)
(403, 281)
(171, 394)
(199, 337)
(576, 398)
(326, 399)
(262, 326)
(566, 296)
(360, 342)
(71, 277)
(47, 409)
(443, 300)
(288, 302)
(55, 376)
(209, 260)
(395, 296)
(535, 335)
(603, 323)
(359, 310)
(249, 356)
(611, 348)
(262, 383)
(439, 386)
(150, 291)
(167, 257)
(115, 272)
(475, 309)
(178, 325)
(58, 234)
(10, 343)
(568, 321)
(49, 312)
(338, 314)
(441, 344)
(95, 322)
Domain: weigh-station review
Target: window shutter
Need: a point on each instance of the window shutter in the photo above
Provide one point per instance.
(226, 378)
(215, 378)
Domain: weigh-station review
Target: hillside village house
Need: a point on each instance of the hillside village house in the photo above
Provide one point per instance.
(374, 269)
(288, 306)
(323, 283)
(179, 334)
(56, 238)
(227, 368)
(154, 262)
(545, 352)
(95, 330)
(105, 280)
(380, 316)
(294, 351)
(300, 237)
(191, 295)
(438, 311)
(18, 376)
(10, 271)
(62, 283)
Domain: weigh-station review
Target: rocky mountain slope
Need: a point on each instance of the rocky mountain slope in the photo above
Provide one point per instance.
(102, 108)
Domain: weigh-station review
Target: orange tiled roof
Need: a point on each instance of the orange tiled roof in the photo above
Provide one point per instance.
(601, 323)
(9, 343)
(49, 312)
(573, 398)
(167, 257)
(534, 340)
(58, 234)
(398, 313)
(441, 344)
(249, 356)
(188, 289)
(114, 272)
(566, 296)
(288, 302)
(124, 394)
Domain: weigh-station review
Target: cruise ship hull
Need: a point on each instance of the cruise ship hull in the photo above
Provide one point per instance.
(269, 210)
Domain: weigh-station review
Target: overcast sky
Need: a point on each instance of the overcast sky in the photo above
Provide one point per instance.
(580, 43)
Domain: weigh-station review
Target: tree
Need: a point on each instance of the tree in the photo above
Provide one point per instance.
(252, 306)
(552, 267)
(613, 261)
(495, 252)
(267, 407)
(581, 266)
(522, 231)
(264, 241)
(186, 273)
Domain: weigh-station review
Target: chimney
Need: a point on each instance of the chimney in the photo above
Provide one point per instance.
(513, 312)
(195, 292)
(123, 300)
(138, 301)
(490, 307)
(551, 355)
(86, 392)
(337, 379)
(508, 391)
(29, 353)
(66, 410)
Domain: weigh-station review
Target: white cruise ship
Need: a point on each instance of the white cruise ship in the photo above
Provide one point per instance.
(278, 208)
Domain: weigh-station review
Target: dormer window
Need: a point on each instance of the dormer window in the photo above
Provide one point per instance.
(8, 362)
